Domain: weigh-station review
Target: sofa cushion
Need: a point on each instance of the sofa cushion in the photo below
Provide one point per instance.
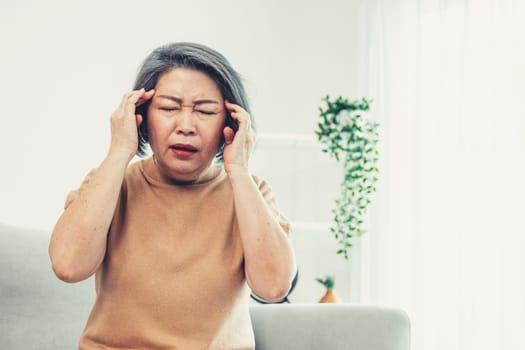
(38, 311)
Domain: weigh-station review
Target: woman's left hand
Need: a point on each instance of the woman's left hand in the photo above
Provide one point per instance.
(238, 144)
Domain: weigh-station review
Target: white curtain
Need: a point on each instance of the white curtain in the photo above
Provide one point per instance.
(446, 240)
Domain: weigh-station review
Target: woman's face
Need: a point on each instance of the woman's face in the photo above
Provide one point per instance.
(186, 119)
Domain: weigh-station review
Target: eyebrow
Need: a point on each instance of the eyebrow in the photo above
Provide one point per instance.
(179, 100)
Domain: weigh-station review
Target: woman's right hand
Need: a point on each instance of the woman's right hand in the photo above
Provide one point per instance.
(124, 123)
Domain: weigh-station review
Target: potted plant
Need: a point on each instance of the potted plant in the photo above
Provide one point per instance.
(329, 296)
(352, 139)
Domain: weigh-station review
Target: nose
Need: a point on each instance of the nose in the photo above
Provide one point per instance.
(185, 122)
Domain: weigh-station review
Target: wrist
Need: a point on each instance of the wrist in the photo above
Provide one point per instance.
(238, 172)
(118, 158)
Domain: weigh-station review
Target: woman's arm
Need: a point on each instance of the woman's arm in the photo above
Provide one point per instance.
(269, 257)
(78, 242)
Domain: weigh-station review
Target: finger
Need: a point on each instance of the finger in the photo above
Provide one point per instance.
(136, 95)
(130, 99)
(242, 119)
(130, 94)
(239, 114)
(147, 96)
(232, 107)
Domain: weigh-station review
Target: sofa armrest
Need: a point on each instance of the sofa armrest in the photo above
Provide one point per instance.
(329, 326)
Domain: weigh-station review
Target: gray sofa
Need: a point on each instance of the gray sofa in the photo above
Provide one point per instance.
(37, 311)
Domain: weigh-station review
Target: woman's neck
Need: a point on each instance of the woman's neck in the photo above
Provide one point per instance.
(210, 173)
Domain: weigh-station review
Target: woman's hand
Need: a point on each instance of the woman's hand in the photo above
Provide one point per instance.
(124, 123)
(238, 144)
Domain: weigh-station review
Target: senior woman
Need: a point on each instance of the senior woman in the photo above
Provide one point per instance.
(176, 240)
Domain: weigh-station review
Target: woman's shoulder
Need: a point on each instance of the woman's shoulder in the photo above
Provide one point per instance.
(136, 169)
(136, 164)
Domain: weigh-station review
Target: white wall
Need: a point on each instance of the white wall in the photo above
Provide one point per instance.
(65, 65)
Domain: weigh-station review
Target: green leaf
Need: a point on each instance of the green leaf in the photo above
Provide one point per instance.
(350, 138)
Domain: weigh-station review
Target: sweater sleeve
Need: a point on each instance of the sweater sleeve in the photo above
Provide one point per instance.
(271, 200)
(74, 194)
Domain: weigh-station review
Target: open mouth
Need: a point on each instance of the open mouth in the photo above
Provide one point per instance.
(183, 150)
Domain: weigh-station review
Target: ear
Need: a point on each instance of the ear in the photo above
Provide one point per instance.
(142, 128)
(229, 134)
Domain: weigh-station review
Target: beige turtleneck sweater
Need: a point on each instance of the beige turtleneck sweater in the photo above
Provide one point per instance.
(173, 275)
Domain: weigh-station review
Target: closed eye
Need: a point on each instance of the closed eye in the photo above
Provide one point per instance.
(169, 109)
(206, 112)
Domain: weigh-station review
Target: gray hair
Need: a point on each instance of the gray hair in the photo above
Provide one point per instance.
(193, 56)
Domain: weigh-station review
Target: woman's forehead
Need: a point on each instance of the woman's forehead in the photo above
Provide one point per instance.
(188, 86)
